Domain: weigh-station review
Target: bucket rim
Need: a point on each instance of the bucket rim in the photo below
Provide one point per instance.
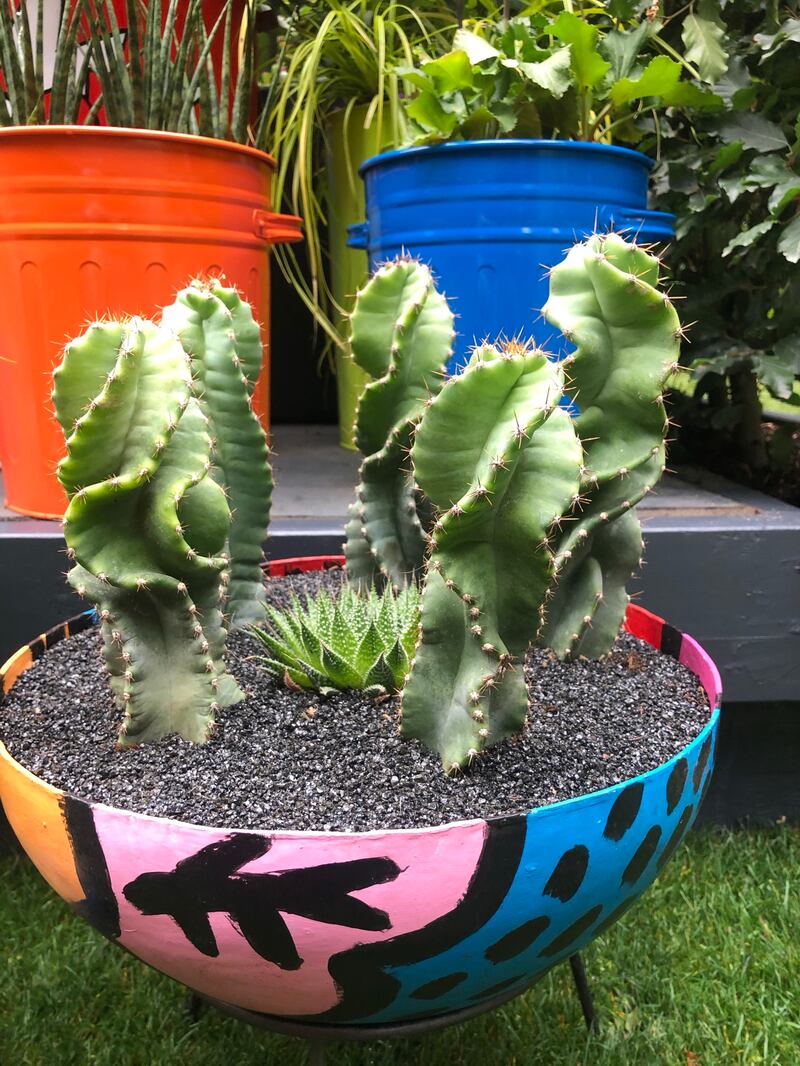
(505, 144)
(134, 133)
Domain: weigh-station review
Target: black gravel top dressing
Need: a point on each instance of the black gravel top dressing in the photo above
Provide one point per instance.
(292, 760)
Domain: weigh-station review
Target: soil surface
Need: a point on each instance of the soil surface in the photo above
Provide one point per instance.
(293, 760)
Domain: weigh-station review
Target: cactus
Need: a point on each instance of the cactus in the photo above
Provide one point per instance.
(348, 642)
(402, 335)
(514, 471)
(217, 330)
(146, 525)
(604, 299)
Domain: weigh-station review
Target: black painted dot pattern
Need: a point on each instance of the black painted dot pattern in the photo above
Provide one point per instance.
(571, 933)
(702, 762)
(439, 987)
(517, 941)
(675, 784)
(623, 814)
(568, 875)
(501, 986)
(675, 837)
(642, 856)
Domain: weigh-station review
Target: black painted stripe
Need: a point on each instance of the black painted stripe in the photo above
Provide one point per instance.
(99, 905)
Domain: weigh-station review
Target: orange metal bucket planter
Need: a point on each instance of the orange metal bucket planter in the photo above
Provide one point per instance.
(104, 220)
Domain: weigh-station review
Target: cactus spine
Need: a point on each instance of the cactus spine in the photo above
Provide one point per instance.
(217, 330)
(146, 525)
(604, 299)
(512, 469)
(402, 335)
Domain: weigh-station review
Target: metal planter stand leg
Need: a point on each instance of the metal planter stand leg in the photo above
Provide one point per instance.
(318, 1035)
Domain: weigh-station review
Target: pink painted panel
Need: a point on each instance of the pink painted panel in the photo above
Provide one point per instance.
(695, 659)
(436, 866)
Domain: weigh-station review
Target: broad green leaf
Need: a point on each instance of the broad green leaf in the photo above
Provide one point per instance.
(588, 66)
(661, 79)
(703, 40)
(622, 47)
(749, 236)
(426, 110)
(552, 74)
(779, 370)
(726, 157)
(754, 131)
(450, 73)
(789, 243)
(477, 49)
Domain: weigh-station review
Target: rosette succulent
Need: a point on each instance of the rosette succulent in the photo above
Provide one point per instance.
(346, 641)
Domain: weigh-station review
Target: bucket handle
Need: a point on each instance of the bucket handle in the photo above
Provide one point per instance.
(660, 224)
(277, 229)
(358, 236)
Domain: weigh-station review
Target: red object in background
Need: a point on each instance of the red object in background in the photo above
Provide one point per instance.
(99, 220)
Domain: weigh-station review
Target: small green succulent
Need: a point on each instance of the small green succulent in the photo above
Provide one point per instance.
(346, 641)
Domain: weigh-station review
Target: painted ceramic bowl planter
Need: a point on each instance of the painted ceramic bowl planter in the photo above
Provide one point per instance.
(370, 928)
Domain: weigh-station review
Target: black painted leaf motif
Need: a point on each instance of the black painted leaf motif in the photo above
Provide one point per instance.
(208, 883)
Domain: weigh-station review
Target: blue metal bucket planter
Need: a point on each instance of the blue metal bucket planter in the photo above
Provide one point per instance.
(442, 920)
(491, 217)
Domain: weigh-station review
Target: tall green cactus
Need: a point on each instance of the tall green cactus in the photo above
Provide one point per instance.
(500, 460)
(604, 299)
(402, 335)
(217, 330)
(146, 525)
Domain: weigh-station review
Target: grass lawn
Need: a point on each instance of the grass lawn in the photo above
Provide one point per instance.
(705, 971)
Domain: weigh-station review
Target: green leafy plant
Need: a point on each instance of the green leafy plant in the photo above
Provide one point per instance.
(734, 183)
(557, 72)
(148, 523)
(335, 57)
(501, 464)
(346, 641)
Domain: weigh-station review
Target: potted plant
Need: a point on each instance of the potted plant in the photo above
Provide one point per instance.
(338, 102)
(520, 140)
(732, 181)
(170, 187)
(392, 912)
